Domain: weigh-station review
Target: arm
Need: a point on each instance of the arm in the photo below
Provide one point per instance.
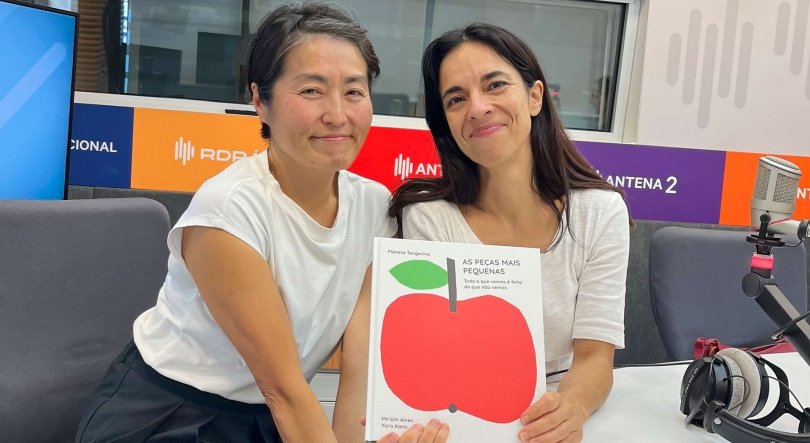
(598, 330)
(587, 383)
(351, 396)
(559, 416)
(239, 290)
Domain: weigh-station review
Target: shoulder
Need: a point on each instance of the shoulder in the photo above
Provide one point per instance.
(237, 201)
(437, 220)
(239, 187)
(436, 210)
(593, 205)
(369, 200)
(366, 190)
(599, 216)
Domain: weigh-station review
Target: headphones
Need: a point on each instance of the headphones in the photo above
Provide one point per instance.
(723, 392)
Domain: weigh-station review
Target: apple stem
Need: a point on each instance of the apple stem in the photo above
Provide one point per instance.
(451, 283)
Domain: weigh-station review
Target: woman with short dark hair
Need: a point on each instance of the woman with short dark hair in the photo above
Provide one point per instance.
(269, 266)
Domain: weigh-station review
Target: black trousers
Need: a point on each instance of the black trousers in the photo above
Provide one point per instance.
(134, 403)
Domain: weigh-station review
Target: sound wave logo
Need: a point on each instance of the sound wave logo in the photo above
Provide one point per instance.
(183, 150)
(800, 25)
(727, 52)
(403, 167)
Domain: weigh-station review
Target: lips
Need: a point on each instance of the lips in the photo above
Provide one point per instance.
(333, 137)
(486, 130)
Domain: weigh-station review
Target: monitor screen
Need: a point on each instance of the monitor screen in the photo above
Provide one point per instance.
(37, 55)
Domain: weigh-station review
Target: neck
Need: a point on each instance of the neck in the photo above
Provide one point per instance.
(507, 190)
(316, 192)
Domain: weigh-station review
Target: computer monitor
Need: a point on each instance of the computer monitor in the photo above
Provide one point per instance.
(38, 60)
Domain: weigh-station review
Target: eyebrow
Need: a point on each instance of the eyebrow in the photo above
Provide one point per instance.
(356, 79)
(484, 78)
(310, 77)
(321, 79)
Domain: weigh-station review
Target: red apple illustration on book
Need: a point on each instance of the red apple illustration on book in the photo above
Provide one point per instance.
(476, 356)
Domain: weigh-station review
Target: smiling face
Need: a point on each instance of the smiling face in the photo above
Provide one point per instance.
(487, 106)
(320, 112)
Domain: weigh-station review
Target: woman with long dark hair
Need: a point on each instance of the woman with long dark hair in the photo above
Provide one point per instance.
(511, 176)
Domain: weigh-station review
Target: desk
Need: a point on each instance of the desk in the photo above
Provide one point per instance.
(644, 405)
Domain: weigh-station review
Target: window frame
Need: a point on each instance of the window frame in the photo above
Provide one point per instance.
(616, 135)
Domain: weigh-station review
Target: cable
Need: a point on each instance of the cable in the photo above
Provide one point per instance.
(746, 390)
(788, 388)
(648, 365)
(631, 365)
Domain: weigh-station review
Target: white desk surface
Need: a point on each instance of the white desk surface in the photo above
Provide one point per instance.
(644, 405)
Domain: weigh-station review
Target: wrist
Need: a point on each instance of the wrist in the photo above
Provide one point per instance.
(572, 397)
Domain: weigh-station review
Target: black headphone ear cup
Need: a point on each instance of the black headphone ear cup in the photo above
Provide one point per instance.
(694, 380)
(749, 369)
(705, 380)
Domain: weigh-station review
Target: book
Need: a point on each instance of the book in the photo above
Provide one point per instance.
(457, 335)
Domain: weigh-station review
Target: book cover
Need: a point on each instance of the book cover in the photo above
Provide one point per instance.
(456, 334)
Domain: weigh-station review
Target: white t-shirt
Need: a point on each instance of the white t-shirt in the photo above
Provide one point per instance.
(583, 280)
(318, 271)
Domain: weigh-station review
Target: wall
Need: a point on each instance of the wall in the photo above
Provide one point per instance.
(727, 75)
(709, 182)
(177, 151)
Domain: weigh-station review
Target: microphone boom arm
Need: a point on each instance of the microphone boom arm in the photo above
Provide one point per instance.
(760, 285)
(771, 299)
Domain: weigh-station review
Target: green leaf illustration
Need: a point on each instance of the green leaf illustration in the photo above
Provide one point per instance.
(420, 274)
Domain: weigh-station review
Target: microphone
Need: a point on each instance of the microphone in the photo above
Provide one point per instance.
(772, 207)
(775, 193)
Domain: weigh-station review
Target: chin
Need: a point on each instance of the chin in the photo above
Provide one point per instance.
(334, 159)
(336, 163)
(487, 158)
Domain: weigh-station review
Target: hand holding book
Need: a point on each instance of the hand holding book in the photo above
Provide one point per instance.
(555, 417)
(435, 432)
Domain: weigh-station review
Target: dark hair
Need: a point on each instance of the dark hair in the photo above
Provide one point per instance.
(288, 26)
(557, 166)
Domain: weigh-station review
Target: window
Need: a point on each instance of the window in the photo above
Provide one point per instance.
(195, 49)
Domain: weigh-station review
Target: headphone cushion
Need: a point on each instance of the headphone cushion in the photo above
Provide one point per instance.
(737, 386)
(749, 370)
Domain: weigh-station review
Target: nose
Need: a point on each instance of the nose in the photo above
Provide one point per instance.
(334, 115)
(479, 106)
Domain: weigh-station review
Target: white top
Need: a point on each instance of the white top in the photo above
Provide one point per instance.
(583, 280)
(318, 271)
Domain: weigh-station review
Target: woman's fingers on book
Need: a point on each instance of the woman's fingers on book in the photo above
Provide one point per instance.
(363, 420)
(550, 401)
(434, 432)
(389, 438)
(562, 424)
(444, 433)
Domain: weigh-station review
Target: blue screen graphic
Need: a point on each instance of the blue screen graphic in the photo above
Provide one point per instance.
(36, 75)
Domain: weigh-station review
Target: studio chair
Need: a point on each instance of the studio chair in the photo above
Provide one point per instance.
(74, 275)
(696, 288)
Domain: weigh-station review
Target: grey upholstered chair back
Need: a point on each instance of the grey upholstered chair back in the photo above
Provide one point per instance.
(696, 288)
(74, 275)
